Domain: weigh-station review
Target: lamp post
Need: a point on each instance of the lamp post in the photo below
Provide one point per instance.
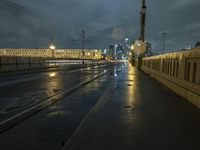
(163, 40)
(127, 46)
(132, 54)
(52, 47)
(142, 20)
(83, 40)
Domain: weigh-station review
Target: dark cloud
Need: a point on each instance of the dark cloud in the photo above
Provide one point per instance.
(180, 19)
(27, 23)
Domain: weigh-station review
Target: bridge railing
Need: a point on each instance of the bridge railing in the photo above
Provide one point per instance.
(24, 63)
(180, 71)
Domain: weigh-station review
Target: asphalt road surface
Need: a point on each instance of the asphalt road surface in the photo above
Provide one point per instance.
(123, 109)
(20, 92)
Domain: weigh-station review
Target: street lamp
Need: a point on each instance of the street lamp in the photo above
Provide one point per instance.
(83, 38)
(127, 47)
(142, 20)
(52, 47)
(163, 39)
(132, 47)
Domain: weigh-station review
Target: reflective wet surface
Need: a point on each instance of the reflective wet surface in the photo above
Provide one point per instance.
(18, 93)
(49, 128)
(140, 114)
(125, 109)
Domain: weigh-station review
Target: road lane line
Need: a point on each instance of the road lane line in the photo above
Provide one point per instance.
(83, 129)
(16, 81)
(10, 122)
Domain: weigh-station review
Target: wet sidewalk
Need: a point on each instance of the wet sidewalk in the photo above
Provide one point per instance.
(138, 113)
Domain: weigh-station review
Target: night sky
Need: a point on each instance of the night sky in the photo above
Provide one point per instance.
(32, 23)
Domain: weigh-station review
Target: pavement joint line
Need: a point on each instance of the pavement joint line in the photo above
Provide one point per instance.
(43, 69)
(14, 120)
(94, 110)
(33, 78)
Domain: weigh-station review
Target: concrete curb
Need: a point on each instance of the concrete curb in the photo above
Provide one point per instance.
(14, 120)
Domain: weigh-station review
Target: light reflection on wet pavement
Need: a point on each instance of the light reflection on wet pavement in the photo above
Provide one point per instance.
(139, 113)
(49, 128)
(16, 97)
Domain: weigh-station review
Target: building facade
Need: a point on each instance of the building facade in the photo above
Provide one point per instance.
(93, 54)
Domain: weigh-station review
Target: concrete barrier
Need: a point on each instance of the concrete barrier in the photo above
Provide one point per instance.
(8, 64)
(178, 71)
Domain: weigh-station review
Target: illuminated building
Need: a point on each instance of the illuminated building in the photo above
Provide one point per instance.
(92, 54)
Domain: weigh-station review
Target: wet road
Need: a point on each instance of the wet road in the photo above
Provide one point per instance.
(139, 114)
(49, 128)
(20, 92)
(124, 109)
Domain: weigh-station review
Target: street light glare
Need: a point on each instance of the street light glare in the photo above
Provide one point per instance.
(132, 47)
(52, 74)
(52, 47)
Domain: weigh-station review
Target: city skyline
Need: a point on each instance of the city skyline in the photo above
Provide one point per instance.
(31, 24)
